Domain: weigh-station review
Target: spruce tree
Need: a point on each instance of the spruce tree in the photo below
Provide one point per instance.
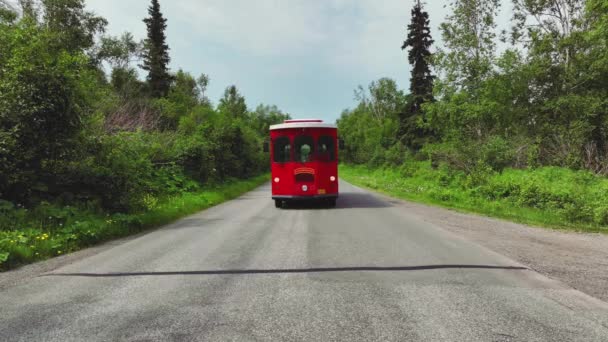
(419, 41)
(156, 52)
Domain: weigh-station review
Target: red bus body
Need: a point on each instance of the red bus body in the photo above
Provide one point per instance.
(304, 161)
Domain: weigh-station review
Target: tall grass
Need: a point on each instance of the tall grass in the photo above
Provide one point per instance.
(50, 230)
(549, 196)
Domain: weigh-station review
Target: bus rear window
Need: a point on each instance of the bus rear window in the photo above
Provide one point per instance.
(326, 151)
(281, 150)
(304, 148)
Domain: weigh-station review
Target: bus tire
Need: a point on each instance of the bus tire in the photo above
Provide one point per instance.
(278, 203)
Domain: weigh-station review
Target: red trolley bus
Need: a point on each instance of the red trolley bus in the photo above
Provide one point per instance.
(304, 161)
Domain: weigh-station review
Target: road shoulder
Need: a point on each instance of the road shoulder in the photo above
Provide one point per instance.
(577, 259)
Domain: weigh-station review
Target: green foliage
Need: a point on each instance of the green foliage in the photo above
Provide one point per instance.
(549, 196)
(468, 35)
(184, 97)
(74, 27)
(265, 115)
(156, 52)
(83, 160)
(233, 103)
(52, 230)
(419, 40)
(543, 105)
(45, 94)
(372, 127)
(118, 51)
(126, 84)
(118, 170)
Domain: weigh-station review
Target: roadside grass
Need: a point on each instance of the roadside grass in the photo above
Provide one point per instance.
(550, 197)
(49, 230)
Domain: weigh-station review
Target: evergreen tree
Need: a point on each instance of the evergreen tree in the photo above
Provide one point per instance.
(156, 52)
(419, 41)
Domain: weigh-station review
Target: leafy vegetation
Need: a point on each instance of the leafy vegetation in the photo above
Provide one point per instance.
(49, 230)
(519, 134)
(547, 196)
(88, 151)
(156, 52)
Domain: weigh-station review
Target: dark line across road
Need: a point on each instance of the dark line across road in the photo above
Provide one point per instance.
(290, 270)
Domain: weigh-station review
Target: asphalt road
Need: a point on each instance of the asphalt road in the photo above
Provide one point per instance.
(367, 270)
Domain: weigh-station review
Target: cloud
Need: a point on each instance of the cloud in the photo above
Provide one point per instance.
(306, 56)
(362, 36)
(262, 28)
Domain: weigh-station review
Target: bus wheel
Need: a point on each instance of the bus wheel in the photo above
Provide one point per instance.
(278, 203)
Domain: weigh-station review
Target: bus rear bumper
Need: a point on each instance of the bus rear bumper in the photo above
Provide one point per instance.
(303, 198)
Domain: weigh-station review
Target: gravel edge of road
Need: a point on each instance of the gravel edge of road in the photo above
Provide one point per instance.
(577, 259)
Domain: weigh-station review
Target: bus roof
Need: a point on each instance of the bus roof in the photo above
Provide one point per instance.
(302, 123)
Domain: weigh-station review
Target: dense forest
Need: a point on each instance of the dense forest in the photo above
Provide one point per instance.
(526, 127)
(87, 147)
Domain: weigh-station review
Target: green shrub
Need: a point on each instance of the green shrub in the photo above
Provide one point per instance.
(600, 215)
(396, 155)
(37, 236)
(496, 152)
(548, 195)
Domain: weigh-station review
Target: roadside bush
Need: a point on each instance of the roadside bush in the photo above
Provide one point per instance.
(496, 152)
(396, 155)
(31, 235)
(116, 169)
(472, 156)
(600, 215)
(547, 195)
(45, 94)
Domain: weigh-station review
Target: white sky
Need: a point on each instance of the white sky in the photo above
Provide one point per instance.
(306, 56)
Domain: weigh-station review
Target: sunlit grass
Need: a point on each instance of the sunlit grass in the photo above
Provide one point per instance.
(550, 197)
(27, 242)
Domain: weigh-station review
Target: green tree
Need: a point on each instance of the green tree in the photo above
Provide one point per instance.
(181, 101)
(264, 116)
(126, 83)
(44, 100)
(232, 104)
(156, 52)
(75, 27)
(371, 128)
(419, 41)
(567, 82)
(203, 83)
(464, 65)
(119, 52)
(468, 35)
